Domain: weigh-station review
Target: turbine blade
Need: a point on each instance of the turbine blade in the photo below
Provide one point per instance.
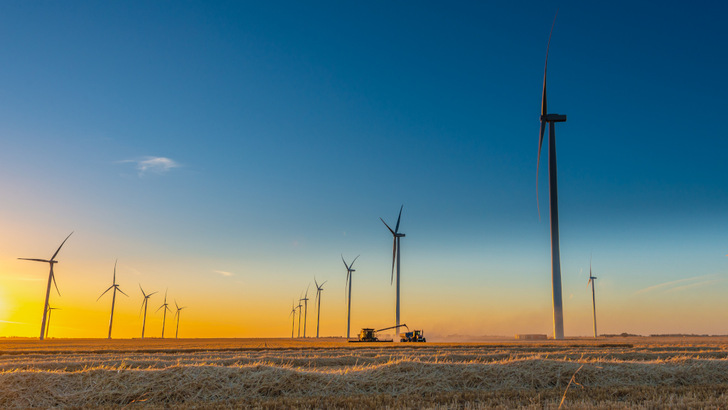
(55, 284)
(36, 260)
(322, 285)
(110, 287)
(394, 256)
(538, 164)
(588, 282)
(342, 259)
(117, 288)
(396, 228)
(307, 287)
(115, 271)
(315, 282)
(352, 262)
(142, 308)
(140, 288)
(385, 224)
(176, 305)
(59, 248)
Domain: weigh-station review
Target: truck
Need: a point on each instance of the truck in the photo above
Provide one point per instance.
(368, 334)
(416, 336)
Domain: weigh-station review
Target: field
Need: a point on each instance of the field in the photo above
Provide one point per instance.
(330, 373)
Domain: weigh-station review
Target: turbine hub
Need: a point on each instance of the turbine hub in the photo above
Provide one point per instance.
(399, 235)
(553, 118)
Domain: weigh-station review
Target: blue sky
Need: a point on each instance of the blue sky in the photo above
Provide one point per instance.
(277, 134)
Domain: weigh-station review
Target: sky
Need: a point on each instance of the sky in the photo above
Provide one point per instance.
(230, 153)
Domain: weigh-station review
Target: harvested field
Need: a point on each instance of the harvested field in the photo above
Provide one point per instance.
(330, 373)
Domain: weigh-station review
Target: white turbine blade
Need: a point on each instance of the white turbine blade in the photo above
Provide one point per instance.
(114, 281)
(59, 248)
(385, 224)
(396, 228)
(53, 277)
(110, 287)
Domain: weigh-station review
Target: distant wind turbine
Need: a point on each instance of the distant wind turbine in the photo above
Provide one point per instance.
(551, 119)
(299, 316)
(293, 321)
(165, 308)
(145, 302)
(114, 286)
(349, 271)
(305, 310)
(319, 289)
(52, 278)
(177, 315)
(397, 235)
(49, 319)
(592, 279)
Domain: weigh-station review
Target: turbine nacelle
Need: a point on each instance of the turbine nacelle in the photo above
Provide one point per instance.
(553, 118)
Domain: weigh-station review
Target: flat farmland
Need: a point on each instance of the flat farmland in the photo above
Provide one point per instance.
(331, 373)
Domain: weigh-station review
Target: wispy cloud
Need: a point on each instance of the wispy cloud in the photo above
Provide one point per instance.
(224, 273)
(12, 323)
(671, 286)
(157, 165)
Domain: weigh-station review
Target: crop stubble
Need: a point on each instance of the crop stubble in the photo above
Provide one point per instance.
(330, 373)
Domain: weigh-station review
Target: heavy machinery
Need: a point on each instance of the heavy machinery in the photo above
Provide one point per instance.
(370, 335)
(413, 336)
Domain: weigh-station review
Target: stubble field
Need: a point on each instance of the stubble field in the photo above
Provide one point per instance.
(330, 373)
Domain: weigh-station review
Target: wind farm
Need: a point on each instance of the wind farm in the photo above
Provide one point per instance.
(226, 155)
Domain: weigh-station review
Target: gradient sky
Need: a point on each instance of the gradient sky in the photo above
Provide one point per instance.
(232, 152)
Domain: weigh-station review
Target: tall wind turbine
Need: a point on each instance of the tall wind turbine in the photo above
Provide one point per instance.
(51, 277)
(49, 319)
(397, 235)
(114, 286)
(177, 315)
(165, 308)
(551, 119)
(319, 289)
(299, 316)
(592, 279)
(293, 321)
(305, 310)
(145, 302)
(349, 271)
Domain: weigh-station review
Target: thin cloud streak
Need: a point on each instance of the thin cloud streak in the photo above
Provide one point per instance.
(694, 285)
(672, 283)
(157, 165)
(223, 273)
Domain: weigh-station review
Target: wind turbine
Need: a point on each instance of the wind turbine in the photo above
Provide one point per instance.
(51, 277)
(305, 310)
(165, 308)
(319, 288)
(114, 286)
(49, 319)
(395, 254)
(349, 271)
(177, 315)
(145, 302)
(293, 322)
(551, 119)
(299, 316)
(592, 279)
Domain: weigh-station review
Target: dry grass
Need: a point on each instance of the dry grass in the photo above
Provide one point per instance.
(280, 373)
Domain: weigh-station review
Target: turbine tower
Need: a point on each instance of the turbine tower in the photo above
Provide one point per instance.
(165, 308)
(592, 279)
(114, 286)
(305, 310)
(395, 255)
(319, 289)
(551, 119)
(49, 319)
(299, 317)
(145, 302)
(177, 315)
(293, 321)
(349, 271)
(51, 277)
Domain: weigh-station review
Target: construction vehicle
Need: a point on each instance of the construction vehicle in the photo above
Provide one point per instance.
(413, 336)
(370, 335)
